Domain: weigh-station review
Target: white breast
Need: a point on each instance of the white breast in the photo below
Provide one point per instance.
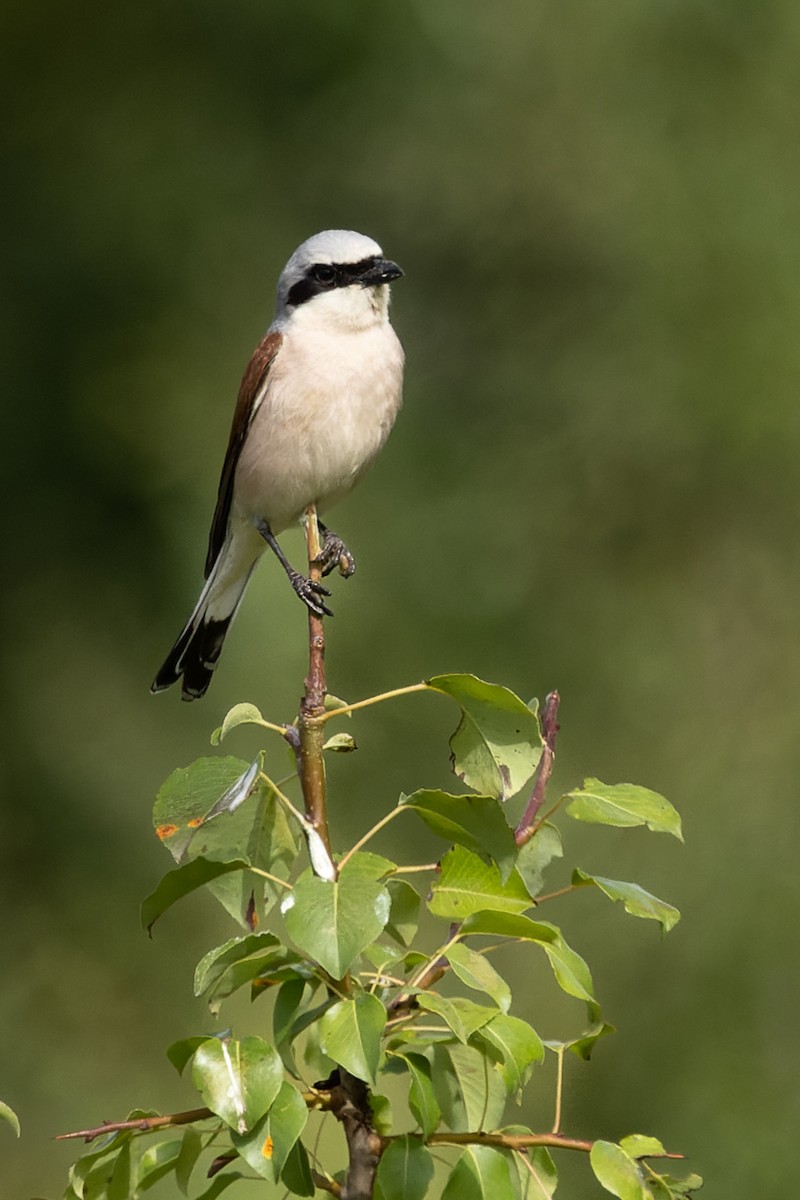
(331, 400)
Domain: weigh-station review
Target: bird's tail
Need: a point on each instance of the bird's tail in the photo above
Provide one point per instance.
(194, 656)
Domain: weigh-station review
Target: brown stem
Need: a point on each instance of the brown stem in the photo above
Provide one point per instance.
(528, 824)
(351, 1106)
(520, 1141)
(142, 1125)
(309, 739)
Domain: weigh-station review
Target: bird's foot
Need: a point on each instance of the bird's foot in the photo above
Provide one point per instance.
(311, 593)
(334, 553)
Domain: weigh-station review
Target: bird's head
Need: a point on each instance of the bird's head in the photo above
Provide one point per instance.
(339, 278)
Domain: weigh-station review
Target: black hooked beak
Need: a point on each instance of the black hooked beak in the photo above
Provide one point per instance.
(383, 270)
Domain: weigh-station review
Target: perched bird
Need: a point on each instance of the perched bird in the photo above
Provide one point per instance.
(316, 404)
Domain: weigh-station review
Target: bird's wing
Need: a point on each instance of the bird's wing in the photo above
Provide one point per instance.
(251, 391)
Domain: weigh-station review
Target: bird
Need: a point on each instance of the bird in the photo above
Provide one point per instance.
(316, 404)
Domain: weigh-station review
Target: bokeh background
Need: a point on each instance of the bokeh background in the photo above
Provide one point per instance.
(593, 485)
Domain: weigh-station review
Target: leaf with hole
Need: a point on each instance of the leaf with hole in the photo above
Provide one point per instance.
(498, 744)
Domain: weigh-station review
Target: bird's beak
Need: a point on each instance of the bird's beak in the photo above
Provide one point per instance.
(382, 271)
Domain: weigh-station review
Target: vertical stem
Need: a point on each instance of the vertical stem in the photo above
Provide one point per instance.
(311, 730)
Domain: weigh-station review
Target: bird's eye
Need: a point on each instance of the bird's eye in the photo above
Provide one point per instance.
(324, 274)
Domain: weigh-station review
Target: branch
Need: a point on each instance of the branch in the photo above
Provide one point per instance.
(519, 1141)
(528, 824)
(141, 1125)
(351, 1106)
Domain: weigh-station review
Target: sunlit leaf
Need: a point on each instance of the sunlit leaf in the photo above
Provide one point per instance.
(240, 714)
(180, 882)
(188, 795)
(268, 1145)
(477, 822)
(368, 866)
(623, 804)
(639, 1145)
(237, 1080)
(462, 1016)
(466, 884)
(333, 922)
(405, 1170)
(8, 1114)
(215, 963)
(616, 1172)
(497, 745)
(536, 855)
(537, 1173)
(516, 1045)
(637, 901)
(483, 1173)
(157, 1161)
(584, 1045)
(421, 1097)
(404, 911)
(468, 1090)
(341, 743)
(477, 972)
(350, 1034)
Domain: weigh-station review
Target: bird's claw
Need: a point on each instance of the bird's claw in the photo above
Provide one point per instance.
(334, 553)
(310, 592)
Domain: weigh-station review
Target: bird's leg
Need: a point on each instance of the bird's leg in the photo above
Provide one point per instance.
(334, 553)
(309, 591)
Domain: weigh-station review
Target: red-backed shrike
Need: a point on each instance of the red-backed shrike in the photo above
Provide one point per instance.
(316, 404)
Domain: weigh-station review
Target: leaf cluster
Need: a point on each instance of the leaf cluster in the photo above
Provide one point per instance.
(359, 992)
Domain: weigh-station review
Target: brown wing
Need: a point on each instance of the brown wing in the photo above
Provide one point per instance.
(252, 382)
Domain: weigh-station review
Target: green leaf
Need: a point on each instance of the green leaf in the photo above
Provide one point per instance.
(623, 804)
(536, 855)
(188, 795)
(570, 970)
(466, 884)
(404, 911)
(157, 1161)
(334, 922)
(497, 745)
(341, 743)
(477, 972)
(682, 1187)
(212, 966)
(483, 1173)
(637, 901)
(8, 1114)
(477, 822)
(268, 1145)
(368, 866)
(584, 1045)
(297, 1172)
(537, 1173)
(500, 924)
(240, 714)
(180, 882)
(350, 1034)
(238, 1080)
(638, 1145)
(191, 1147)
(462, 1016)
(421, 1097)
(518, 1046)
(221, 1184)
(120, 1185)
(469, 1092)
(405, 1170)
(180, 1052)
(260, 833)
(382, 1116)
(616, 1172)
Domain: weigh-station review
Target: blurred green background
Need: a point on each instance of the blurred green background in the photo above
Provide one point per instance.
(593, 485)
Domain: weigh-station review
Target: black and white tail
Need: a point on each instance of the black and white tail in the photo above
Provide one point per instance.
(196, 652)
